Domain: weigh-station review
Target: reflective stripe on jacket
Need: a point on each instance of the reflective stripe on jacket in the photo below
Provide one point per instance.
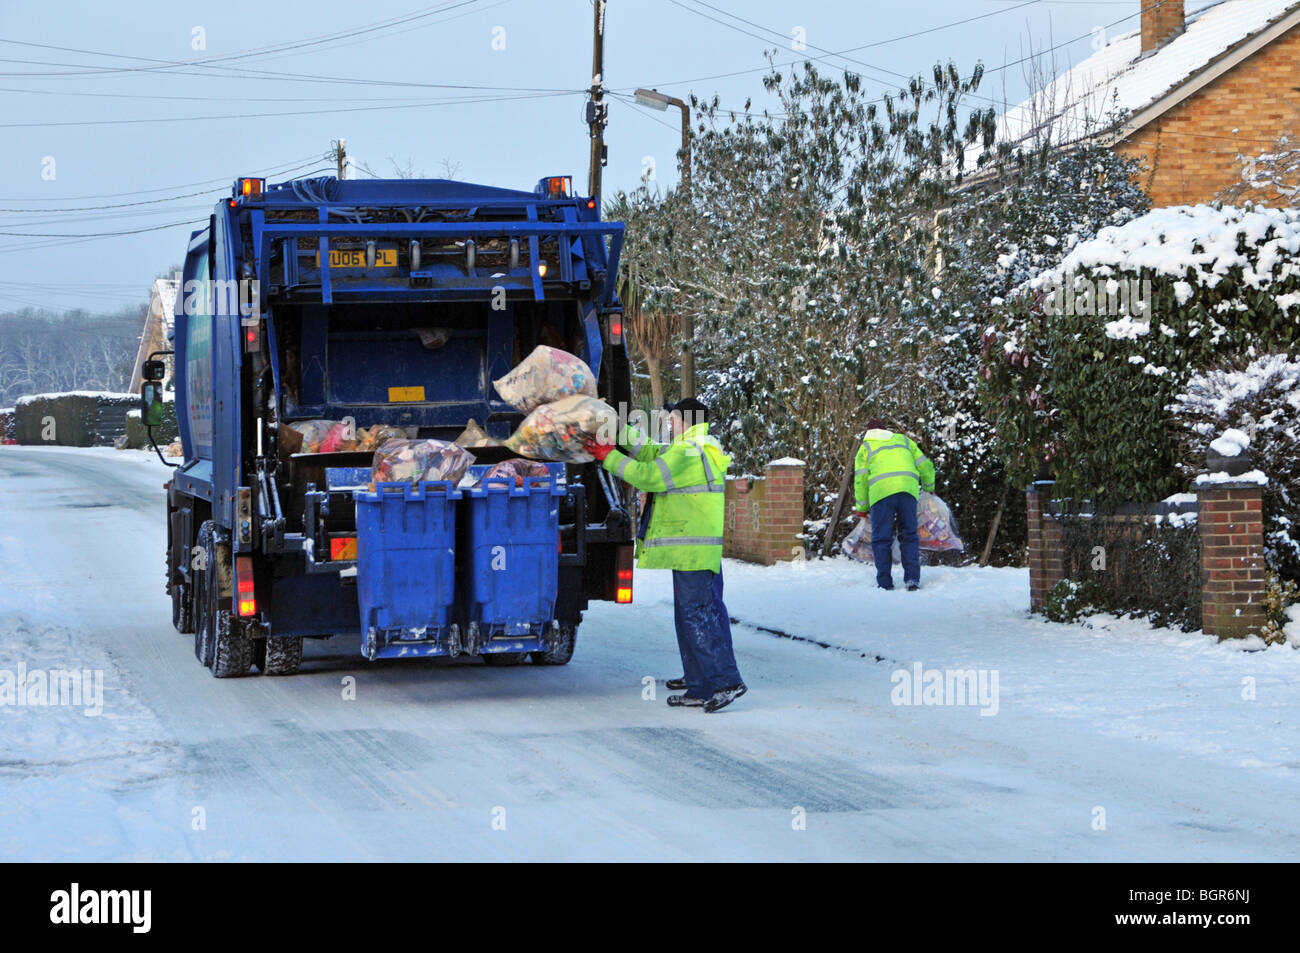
(688, 478)
(889, 463)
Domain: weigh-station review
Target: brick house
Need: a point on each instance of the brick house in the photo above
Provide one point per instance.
(1201, 91)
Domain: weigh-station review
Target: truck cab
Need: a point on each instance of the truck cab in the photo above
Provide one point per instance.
(393, 302)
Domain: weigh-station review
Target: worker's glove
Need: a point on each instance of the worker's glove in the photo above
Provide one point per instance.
(597, 449)
(863, 514)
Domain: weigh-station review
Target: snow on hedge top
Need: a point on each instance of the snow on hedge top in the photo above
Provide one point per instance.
(22, 401)
(1170, 241)
(1075, 104)
(1231, 443)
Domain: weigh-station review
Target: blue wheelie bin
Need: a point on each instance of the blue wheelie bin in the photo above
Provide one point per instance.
(510, 561)
(406, 569)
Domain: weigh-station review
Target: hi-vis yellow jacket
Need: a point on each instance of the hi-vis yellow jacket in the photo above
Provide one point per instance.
(688, 478)
(889, 463)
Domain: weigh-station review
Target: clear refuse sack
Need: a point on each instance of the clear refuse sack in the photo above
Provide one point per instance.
(544, 376)
(414, 461)
(557, 431)
(934, 524)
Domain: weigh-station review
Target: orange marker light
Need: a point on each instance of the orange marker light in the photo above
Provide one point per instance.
(541, 269)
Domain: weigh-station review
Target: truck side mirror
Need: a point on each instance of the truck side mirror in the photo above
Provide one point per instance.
(151, 403)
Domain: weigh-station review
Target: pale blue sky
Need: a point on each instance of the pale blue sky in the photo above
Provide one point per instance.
(109, 132)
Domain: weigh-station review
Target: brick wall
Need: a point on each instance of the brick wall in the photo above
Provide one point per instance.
(1190, 153)
(765, 515)
(1230, 521)
(1230, 518)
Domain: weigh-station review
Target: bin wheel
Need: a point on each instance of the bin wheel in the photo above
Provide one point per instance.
(281, 656)
(504, 658)
(562, 649)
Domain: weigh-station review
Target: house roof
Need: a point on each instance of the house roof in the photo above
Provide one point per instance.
(1076, 104)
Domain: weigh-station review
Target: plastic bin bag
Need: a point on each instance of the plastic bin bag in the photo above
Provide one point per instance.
(313, 432)
(413, 461)
(341, 436)
(476, 436)
(513, 471)
(558, 430)
(546, 375)
(935, 524)
(857, 545)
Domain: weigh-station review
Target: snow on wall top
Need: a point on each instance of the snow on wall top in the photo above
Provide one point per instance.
(1077, 102)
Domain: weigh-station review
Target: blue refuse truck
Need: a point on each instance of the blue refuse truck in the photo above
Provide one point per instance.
(393, 302)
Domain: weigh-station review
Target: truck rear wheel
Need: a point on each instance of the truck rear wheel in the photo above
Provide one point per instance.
(200, 571)
(219, 639)
(232, 650)
(281, 656)
(561, 651)
(182, 617)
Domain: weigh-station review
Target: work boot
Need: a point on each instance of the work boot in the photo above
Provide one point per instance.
(913, 586)
(686, 701)
(676, 684)
(725, 697)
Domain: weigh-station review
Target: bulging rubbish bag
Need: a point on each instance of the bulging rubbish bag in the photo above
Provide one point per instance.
(935, 525)
(413, 461)
(544, 376)
(513, 472)
(857, 545)
(341, 436)
(557, 431)
(312, 433)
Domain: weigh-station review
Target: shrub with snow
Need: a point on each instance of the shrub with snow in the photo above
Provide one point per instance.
(1255, 406)
(1083, 391)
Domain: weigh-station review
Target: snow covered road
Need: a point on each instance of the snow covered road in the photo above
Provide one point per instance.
(1106, 742)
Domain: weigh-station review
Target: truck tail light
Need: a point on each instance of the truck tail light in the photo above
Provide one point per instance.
(616, 330)
(623, 587)
(252, 336)
(343, 547)
(245, 600)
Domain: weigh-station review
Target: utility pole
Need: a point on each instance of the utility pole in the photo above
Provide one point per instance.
(597, 109)
(341, 157)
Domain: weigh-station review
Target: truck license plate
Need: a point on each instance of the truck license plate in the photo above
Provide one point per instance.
(356, 258)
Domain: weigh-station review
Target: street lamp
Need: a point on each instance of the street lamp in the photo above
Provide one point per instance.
(661, 101)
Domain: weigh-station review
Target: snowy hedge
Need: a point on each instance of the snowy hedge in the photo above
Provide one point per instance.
(1262, 402)
(1083, 361)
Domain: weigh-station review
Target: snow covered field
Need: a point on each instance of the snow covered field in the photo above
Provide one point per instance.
(1108, 740)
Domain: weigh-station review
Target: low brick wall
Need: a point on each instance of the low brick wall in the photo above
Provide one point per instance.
(1230, 524)
(765, 515)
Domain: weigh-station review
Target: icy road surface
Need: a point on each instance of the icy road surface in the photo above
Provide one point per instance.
(1112, 741)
